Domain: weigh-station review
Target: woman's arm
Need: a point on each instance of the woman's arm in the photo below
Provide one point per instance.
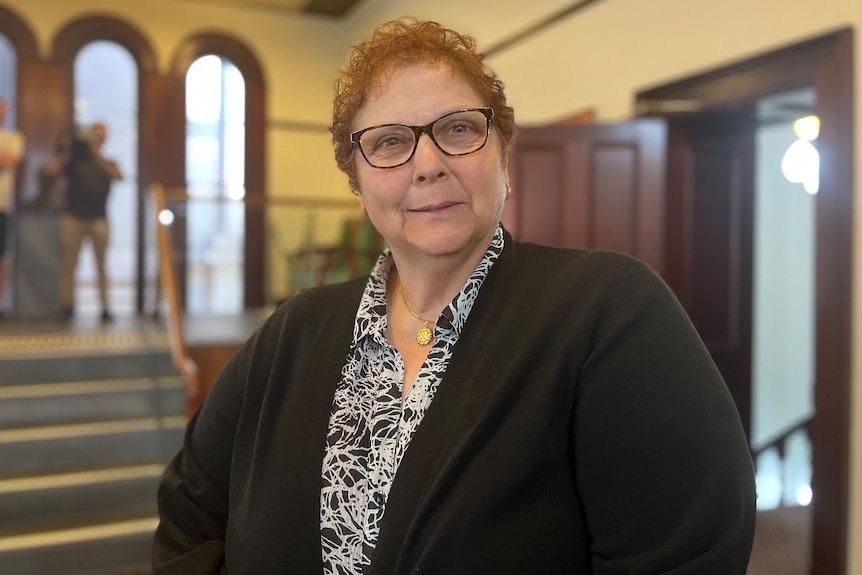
(662, 464)
(193, 497)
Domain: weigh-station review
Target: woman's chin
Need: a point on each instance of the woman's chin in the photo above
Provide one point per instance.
(445, 243)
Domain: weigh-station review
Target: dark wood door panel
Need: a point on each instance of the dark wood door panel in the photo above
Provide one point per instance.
(591, 186)
(715, 222)
(613, 196)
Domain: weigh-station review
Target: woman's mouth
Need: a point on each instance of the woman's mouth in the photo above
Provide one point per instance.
(435, 208)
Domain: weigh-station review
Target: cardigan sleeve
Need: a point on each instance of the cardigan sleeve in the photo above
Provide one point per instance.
(660, 458)
(193, 494)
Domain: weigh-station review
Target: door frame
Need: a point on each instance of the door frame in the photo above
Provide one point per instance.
(825, 62)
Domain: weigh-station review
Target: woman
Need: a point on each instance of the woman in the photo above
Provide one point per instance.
(476, 405)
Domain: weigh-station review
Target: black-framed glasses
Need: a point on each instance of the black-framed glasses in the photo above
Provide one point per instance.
(455, 134)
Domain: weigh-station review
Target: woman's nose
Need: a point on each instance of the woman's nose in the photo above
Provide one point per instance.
(429, 162)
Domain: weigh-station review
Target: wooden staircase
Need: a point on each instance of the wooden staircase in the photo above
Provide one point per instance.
(85, 432)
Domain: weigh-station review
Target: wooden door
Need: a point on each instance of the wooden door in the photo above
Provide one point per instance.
(710, 238)
(591, 186)
(825, 62)
(606, 187)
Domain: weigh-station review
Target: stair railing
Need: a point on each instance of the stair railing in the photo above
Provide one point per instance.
(182, 361)
(779, 443)
(340, 261)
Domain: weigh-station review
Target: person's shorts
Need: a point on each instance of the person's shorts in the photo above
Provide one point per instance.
(4, 219)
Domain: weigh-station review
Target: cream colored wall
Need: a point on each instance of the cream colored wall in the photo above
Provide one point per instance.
(299, 56)
(598, 58)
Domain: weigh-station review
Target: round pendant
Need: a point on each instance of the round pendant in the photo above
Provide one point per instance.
(424, 335)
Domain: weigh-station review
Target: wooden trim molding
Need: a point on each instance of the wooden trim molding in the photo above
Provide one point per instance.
(219, 44)
(539, 27)
(783, 70)
(78, 33)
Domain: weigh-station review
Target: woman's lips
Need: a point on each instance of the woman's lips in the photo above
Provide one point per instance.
(435, 207)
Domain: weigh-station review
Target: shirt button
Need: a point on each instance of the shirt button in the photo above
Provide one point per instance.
(378, 499)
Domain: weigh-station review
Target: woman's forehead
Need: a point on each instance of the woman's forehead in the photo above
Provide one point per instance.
(422, 91)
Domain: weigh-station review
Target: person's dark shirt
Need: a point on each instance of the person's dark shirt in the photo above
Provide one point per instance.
(88, 183)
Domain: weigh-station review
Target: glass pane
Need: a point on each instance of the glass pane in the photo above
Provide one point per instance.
(106, 91)
(203, 91)
(8, 71)
(215, 173)
(234, 132)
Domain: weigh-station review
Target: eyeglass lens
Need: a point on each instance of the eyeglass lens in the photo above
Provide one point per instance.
(455, 134)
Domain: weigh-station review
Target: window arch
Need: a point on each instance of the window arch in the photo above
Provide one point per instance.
(234, 51)
(68, 42)
(19, 34)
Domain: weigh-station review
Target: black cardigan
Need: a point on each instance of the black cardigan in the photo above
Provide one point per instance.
(581, 427)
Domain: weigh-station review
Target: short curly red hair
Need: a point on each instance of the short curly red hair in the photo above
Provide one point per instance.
(404, 42)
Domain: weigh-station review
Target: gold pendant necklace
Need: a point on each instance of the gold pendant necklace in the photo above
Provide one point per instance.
(425, 335)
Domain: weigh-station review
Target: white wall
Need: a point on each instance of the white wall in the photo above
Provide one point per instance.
(597, 59)
(783, 336)
(783, 318)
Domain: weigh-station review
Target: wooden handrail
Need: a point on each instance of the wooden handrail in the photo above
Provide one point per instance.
(162, 197)
(779, 440)
(168, 277)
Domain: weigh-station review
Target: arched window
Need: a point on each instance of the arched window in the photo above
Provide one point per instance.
(8, 72)
(106, 91)
(215, 176)
(68, 43)
(235, 70)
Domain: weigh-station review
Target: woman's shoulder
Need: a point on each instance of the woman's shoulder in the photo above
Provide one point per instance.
(321, 302)
(596, 279)
(325, 312)
(576, 263)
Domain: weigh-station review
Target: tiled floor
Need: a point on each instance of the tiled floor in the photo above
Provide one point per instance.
(19, 338)
(25, 337)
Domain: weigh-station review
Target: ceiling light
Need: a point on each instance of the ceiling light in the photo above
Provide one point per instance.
(807, 128)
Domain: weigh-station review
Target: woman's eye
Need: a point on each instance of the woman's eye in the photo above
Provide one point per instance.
(389, 142)
(384, 139)
(460, 128)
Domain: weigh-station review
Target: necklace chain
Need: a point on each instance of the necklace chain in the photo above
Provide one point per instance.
(425, 335)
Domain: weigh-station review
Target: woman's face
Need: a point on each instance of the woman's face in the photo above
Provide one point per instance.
(435, 205)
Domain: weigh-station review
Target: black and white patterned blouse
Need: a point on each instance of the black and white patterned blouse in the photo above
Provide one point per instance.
(370, 428)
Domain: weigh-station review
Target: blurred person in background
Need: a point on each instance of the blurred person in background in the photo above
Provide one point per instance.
(88, 177)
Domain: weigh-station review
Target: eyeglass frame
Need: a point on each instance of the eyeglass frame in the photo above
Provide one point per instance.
(486, 111)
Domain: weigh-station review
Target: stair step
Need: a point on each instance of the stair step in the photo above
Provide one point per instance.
(52, 449)
(62, 403)
(77, 367)
(92, 550)
(88, 422)
(31, 503)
